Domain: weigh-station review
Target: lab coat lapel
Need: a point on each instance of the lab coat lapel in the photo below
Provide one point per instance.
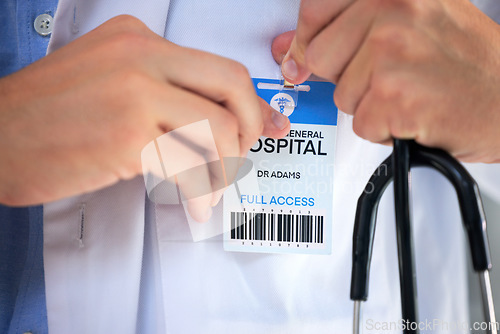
(93, 244)
(75, 18)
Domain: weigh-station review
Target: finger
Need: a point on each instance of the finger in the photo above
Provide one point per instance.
(203, 185)
(196, 189)
(331, 51)
(281, 45)
(190, 170)
(383, 115)
(217, 196)
(294, 67)
(222, 173)
(355, 80)
(196, 138)
(314, 15)
(187, 108)
(370, 121)
(276, 125)
(229, 84)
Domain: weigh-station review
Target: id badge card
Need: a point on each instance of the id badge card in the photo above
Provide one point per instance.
(285, 203)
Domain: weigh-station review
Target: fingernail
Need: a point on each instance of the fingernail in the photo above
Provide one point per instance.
(290, 69)
(216, 197)
(279, 120)
(207, 215)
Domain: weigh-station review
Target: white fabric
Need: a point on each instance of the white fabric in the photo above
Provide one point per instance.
(490, 7)
(92, 274)
(93, 284)
(197, 287)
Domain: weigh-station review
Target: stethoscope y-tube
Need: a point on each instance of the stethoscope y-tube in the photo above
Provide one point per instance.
(407, 154)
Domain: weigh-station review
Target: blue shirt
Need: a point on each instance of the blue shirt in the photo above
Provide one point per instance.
(22, 288)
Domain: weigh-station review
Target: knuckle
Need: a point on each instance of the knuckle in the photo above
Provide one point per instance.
(8, 199)
(239, 71)
(390, 4)
(229, 123)
(130, 99)
(402, 6)
(132, 137)
(339, 100)
(414, 10)
(405, 110)
(132, 168)
(388, 88)
(317, 61)
(423, 9)
(345, 99)
(403, 126)
(406, 119)
(359, 127)
(255, 130)
(127, 42)
(237, 78)
(131, 83)
(403, 39)
(401, 45)
(366, 126)
(19, 195)
(390, 40)
(240, 83)
(226, 133)
(126, 22)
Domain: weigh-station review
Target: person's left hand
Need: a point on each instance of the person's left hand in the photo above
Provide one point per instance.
(427, 70)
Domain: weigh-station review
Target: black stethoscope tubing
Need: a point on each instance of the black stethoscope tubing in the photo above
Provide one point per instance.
(407, 154)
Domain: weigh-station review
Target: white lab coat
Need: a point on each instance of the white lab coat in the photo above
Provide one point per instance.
(93, 271)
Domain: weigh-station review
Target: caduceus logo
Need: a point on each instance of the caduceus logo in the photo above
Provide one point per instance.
(283, 103)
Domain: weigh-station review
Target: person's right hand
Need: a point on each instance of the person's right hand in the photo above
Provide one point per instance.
(427, 70)
(77, 120)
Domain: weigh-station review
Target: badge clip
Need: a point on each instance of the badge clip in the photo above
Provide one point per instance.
(288, 88)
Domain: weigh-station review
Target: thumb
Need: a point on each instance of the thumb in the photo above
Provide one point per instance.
(276, 125)
(314, 16)
(294, 67)
(285, 51)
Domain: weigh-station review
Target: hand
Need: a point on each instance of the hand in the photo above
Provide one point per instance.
(426, 70)
(77, 120)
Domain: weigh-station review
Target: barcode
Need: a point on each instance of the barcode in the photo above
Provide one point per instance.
(277, 227)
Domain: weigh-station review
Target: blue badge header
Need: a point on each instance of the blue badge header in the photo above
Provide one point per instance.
(315, 106)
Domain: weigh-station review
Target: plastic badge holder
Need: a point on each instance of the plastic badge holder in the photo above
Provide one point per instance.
(291, 211)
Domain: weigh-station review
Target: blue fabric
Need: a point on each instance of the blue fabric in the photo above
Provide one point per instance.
(14, 231)
(29, 312)
(22, 287)
(20, 44)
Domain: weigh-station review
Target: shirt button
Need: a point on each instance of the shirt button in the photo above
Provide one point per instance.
(43, 24)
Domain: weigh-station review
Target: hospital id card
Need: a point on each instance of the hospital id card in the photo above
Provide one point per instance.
(285, 204)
